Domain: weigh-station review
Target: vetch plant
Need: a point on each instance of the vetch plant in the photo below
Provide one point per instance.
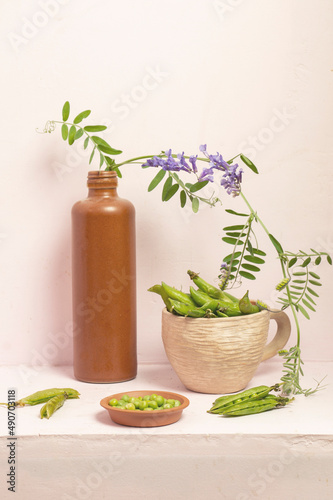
(245, 259)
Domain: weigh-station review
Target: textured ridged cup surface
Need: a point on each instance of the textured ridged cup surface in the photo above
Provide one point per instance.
(221, 355)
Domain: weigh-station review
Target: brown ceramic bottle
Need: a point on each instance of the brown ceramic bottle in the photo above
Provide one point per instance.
(104, 283)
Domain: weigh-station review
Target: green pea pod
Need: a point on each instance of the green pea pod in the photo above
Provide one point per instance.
(220, 314)
(252, 407)
(246, 306)
(179, 308)
(199, 312)
(43, 396)
(255, 393)
(230, 309)
(212, 304)
(175, 294)
(52, 405)
(160, 291)
(212, 291)
(199, 297)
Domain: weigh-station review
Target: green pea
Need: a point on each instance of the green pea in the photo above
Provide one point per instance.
(153, 397)
(177, 403)
(121, 403)
(170, 402)
(166, 406)
(146, 397)
(113, 402)
(142, 405)
(126, 398)
(129, 406)
(153, 405)
(148, 409)
(160, 400)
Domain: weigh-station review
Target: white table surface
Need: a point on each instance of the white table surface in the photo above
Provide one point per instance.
(80, 453)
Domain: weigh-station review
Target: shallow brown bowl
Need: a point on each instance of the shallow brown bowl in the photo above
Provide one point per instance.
(137, 418)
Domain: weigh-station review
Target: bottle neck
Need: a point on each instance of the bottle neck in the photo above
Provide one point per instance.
(101, 183)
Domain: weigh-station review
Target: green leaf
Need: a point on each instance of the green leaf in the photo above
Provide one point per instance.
(81, 116)
(235, 234)
(104, 146)
(314, 275)
(297, 287)
(299, 281)
(195, 205)
(318, 261)
(250, 267)
(233, 228)
(119, 174)
(303, 311)
(310, 298)
(71, 135)
(249, 163)
(292, 262)
(92, 155)
(246, 275)
(197, 186)
(64, 131)
(78, 134)
(329, 259)
(229, 211)
(312, 292)
(101, 159)
(166, 187)
(249, 247)
(86, 142)
(276, 243)
(65, 111)
(183, 198)
(95, 128)
(156, 180)
(307, 304)
(259, 252)
(316, 283)
(172, 191)
(253, 259)
(299, 273)
(306, 262)
(109, 161)
(231, 256)
(232, 241)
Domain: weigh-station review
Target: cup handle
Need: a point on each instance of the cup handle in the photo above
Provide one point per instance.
(281, 337)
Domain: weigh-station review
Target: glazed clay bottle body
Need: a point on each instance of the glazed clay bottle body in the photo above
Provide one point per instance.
(104, 283)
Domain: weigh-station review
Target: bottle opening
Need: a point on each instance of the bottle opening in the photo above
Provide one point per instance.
(101, 178)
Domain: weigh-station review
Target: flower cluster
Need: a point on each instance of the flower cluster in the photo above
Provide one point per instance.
(232, 174)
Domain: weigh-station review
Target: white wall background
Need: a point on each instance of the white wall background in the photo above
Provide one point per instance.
(224, 71)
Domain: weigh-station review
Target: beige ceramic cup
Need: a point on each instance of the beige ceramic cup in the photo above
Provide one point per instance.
(221, 355)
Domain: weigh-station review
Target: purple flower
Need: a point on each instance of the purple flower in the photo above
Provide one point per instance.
(193, 160)
(231, 177)
(207, 174)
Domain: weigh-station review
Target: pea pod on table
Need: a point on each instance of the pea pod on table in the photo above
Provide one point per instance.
(256, 406)
(254, 393)
(43, 396)
(52, 405)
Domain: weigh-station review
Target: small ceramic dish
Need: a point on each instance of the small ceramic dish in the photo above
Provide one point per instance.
(137, 418)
